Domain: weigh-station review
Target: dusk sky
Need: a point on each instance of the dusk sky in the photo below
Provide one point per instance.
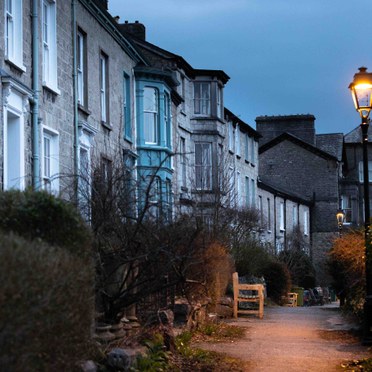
(284, 57)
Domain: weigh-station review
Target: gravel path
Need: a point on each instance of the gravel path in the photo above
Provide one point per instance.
(290, 339)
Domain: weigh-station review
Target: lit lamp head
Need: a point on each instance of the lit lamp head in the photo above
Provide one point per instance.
(361, 90)
(340, 215)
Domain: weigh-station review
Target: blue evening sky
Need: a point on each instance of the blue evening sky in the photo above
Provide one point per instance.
(283, 57)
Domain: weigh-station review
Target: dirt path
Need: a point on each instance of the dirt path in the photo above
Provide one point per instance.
(294, 339)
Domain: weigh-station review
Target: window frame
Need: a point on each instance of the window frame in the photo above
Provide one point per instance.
(202, 98)
(151, 127)
(81, 64)
(104, 88)
(205, 182)
(51, 180)
(49, 42)
(13, 23)
(127, 115)
(281, 216)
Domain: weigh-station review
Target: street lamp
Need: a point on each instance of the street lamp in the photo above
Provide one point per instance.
(361, 90)
(340, 215)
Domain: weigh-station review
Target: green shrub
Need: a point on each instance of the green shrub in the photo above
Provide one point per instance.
(46, 311)
(278, 280)
(41, 215)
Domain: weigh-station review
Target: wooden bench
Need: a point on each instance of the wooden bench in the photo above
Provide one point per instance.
(256, 296)
(292, 299)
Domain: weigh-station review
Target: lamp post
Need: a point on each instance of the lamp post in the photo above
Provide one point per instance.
(361, 90)
(340, 215)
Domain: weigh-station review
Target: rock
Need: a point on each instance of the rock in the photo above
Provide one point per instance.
(166, 317)
(121, 359)
(88, 366)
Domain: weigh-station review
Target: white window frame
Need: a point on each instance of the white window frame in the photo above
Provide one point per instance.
(203, 166)
(231, 136)
(361, 172)
(151, 116)
(183, 161)
(219, 102)
(50, 173)
(281, 217)
(81, 66)
(246, 147)
(15, 99)
(295, 215)
(202, 98)
(346, 207)
(253, 150)
(306, 223)
(167, 119)
(49, 39)
(103, 86)
(13, 33)
(237, 141)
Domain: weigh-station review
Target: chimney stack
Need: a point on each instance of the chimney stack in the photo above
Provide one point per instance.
(136, 29)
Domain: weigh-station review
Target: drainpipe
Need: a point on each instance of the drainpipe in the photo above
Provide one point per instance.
(75, 98)
(35, 98)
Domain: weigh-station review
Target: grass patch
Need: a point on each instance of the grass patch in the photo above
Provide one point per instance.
(218, 332)
(191, 358)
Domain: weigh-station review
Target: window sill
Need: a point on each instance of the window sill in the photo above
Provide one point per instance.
(51, 88)
(106, 125)
(16, 64)
(128, 139)
(83, 109)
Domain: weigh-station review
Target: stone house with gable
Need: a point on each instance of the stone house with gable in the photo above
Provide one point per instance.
(308, 166)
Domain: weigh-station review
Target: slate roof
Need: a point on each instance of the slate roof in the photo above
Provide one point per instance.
(332, 143)
(284, 193)
(299, 142)
(246, 127)
(355, 136)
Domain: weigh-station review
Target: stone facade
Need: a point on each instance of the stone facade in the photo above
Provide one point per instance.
(90, 108)
(299, 167)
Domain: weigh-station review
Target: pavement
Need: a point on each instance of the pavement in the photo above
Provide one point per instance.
(295, 339)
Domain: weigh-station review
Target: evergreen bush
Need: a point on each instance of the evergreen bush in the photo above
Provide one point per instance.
(46, 311)
(278, 280)
(40, 215)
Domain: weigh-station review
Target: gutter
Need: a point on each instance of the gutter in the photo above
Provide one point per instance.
(75, 98)
(35, 100)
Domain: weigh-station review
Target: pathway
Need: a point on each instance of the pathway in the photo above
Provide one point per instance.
(289, 339)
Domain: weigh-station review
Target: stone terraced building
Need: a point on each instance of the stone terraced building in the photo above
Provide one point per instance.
(80, 90)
